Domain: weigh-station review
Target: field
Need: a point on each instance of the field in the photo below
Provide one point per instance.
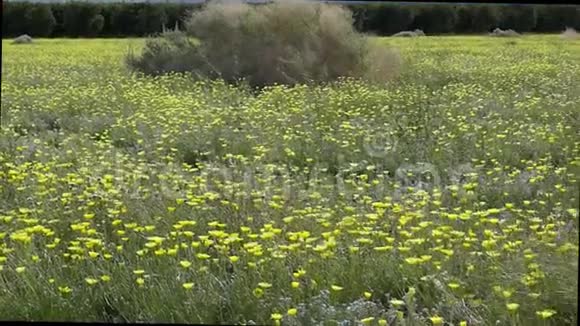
(449, 196)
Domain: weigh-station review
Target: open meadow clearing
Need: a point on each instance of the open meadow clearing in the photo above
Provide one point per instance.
(449, 195)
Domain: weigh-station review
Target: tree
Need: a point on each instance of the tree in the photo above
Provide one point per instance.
(13, 13)
(177, 13)
(360, 15)
(124, 19)
(40, 21)
(151, 19)
(58, 13)
(521, 18)
(389, 19)
(436, 19)
(556, 18)
(464, 22)
(485, 18)
(77, 17)
(96, 24)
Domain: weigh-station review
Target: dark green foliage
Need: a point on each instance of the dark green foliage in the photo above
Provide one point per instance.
(386, 19)
(465, 16)
(359, 16)
(96, 24)
(40, 21)
(108, 28)
(151, 19)
(172, 51)
(58, 13)
(477, 19)
(556, 18)
(124, 19)
(518, 17)
(485, 18)
(13, 22)
(77, 19)
(177, 13)
(435, 19)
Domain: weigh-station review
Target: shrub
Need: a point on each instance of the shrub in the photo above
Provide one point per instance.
(570, 34)
(22, 39)
(279, 43)
(414, 33)
(419, 32)
(173, 51)
(498, 32)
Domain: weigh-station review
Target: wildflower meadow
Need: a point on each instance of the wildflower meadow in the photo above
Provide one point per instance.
(446, 196)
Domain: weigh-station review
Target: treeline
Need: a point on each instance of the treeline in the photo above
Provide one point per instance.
(465, 19)
(82, 19)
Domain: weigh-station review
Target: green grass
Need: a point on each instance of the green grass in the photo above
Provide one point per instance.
(450, 192)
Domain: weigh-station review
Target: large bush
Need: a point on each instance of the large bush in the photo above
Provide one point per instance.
(279, 43)
(172, 52)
